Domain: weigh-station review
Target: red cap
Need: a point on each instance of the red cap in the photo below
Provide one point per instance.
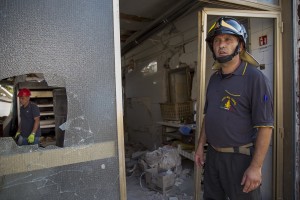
(24, 92)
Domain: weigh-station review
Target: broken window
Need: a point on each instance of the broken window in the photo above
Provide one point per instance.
(151, 68)
(50, 100)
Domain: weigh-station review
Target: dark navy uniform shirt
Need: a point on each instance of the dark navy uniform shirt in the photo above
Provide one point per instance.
(236, 106)
(27, 119)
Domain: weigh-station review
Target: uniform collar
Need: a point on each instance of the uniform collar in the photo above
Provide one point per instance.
(239, 71)
(28, 105)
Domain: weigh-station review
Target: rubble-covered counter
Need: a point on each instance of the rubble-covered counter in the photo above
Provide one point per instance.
(180, 135)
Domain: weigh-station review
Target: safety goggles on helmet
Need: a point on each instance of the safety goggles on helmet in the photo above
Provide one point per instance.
(226, 25)
(229, 25)
(24, 92)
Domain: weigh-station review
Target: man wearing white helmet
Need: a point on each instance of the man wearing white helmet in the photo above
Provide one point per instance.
(238, 118)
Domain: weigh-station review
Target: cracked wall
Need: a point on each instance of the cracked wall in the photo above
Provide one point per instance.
(71, 42)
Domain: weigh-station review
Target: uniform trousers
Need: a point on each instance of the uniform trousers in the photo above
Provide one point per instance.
(223, 173)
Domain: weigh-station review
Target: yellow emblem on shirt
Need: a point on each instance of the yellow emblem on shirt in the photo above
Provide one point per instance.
(227, 102)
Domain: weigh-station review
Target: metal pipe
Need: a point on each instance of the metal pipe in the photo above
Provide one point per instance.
(159, 25)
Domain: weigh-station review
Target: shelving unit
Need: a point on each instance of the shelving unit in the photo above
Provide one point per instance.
(44, 100)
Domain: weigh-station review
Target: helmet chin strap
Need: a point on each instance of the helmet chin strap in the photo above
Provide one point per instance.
(225, 59)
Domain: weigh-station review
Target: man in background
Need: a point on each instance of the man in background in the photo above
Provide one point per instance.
(29, 130)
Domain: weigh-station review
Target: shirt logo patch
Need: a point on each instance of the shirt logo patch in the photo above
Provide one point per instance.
(265, 98)
(228, 103)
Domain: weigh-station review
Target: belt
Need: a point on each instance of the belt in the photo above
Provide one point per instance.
(242, 149)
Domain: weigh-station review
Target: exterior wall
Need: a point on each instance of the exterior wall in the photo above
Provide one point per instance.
(290, 108)
(72, 44)
(296, 29)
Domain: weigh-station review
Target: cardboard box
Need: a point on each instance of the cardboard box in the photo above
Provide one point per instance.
(159, 181)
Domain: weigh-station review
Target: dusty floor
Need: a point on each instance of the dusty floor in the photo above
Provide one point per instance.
(182, 190)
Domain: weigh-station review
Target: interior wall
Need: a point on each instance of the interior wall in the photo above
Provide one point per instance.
(4, 108)
(65, 40)
(171, 47)
(264, 55)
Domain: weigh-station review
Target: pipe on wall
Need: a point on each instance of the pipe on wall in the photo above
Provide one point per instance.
(160, 24)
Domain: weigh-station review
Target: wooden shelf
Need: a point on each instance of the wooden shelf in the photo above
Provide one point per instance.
(48, 126)
(175, 135)
(47, 122)
(45, 105)
(41, 94)
(186, 154)
(45, 113)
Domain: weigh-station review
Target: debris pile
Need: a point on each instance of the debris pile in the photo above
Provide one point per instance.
(159, 170)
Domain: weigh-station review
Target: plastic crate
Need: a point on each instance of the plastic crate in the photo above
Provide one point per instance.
(176, 111)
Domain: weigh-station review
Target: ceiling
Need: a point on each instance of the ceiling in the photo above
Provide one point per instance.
(135, 15)
(140, 19)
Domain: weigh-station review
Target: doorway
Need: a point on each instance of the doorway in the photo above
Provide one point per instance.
(264, 44)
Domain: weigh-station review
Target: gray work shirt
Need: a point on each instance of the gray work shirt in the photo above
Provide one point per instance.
(236, 106)
(27, 119)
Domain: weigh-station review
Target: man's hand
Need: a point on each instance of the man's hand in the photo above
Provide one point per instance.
(30, 138)
(251, 179)
(199, 156)
(252, 176)
(17, 134)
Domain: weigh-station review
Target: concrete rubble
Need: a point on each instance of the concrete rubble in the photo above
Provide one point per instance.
(157, 175)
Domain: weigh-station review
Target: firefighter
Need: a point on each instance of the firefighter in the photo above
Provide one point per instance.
(238, 119)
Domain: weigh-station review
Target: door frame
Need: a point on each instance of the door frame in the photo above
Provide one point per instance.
(278, 132)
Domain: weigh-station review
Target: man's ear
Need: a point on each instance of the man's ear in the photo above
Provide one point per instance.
(241, 46)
